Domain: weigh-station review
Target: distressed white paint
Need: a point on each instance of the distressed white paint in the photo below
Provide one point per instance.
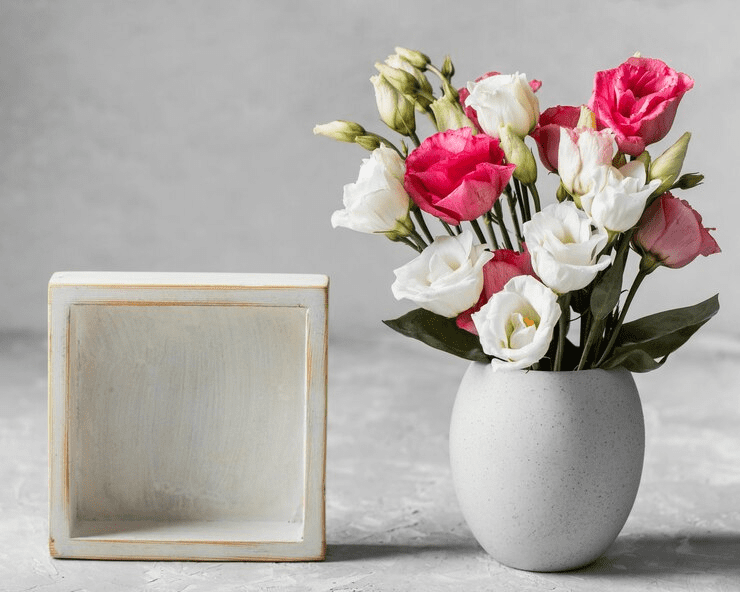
(187, 415)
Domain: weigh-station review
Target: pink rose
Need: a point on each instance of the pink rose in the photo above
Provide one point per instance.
(547, 132)
(638, 100)
(457, 176)
(671, 232)
(499, 270)
(464, 93)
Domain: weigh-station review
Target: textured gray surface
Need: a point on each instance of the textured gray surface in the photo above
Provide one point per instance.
(176, 135)
(392, 518)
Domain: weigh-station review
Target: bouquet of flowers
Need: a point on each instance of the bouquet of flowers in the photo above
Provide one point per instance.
(505, 277)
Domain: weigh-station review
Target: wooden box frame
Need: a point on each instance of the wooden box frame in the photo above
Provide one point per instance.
(187, 416)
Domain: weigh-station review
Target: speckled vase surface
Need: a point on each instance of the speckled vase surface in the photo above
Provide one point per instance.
(546, 465)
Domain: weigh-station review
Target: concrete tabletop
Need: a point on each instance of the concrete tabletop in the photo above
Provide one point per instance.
(393, 522)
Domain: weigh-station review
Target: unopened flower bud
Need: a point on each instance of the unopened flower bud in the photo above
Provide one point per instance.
(619, 160)
(688, 181)
(668, 165)
(401, 80)
(402, 229)
(424, 94)
(449, 114)
(448, 69)
(368, 142)
(413, 57)
(562, 193)
(645, 159)
(344, 131)
(517, 153)
(396, 111)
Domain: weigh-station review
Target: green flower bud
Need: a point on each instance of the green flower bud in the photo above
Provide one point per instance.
(450, 115)
(448, 69)
(402, 81)
(396, 111)
(562, 193)
(423, 95)
(368, 142)
(344, 131)
(668, 165)
(619, 160)
(413, 57)
(517, 153)
(644, 158)
(688, 181)
(402, 229)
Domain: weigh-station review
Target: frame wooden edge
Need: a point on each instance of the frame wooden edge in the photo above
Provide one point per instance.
(61, 544)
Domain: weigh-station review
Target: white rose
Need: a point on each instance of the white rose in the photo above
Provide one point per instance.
(517, 323)
(564, 247)
(580, 154)
(377, 202)
(446, 278)
(504, 99)
(619, 196)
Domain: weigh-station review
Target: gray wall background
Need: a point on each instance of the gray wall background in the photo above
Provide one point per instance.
(177, 136)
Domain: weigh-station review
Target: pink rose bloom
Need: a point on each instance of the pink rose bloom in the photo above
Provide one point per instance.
(671, 232)
(638, 100)
(464, 93)
(505, 265)
(457, 176)
(547, 132)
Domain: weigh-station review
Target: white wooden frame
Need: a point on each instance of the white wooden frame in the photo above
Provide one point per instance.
(187, 416)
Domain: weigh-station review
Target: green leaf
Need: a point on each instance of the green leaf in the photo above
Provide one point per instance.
(655, 332)
(441, 333)
(658, 335)
(634, 360)
(605, 294)
(579, 301)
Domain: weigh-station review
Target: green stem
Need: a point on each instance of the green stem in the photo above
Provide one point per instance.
(418, 240)
(535, 197)
(593, 332)
(388, 143)
(410, 243)
(414, 138)
(500, 220)
(563, 324)
(491, 234)
(478, 231)
(447, 87)
(512, 210)
(586, 318)
(448, 228)
(641, 275)
(523, 199)
(422, 223)
(436, 71)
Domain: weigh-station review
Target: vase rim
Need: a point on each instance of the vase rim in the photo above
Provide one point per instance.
(543, 372)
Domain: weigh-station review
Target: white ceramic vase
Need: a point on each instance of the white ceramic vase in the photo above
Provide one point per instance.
(546, 465)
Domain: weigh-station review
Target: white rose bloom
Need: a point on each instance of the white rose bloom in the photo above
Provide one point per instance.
(581, 153)
(564, 247)
(377, 202)
(619, 196)
(517, 323)
(504, 99)
(446, 278)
